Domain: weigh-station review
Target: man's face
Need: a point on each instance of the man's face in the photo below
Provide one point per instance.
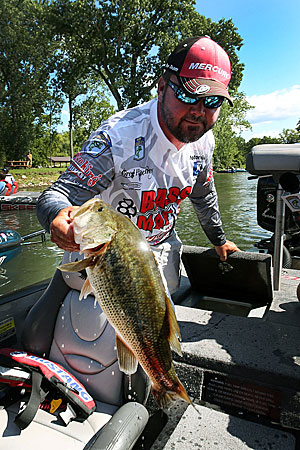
(185, 122)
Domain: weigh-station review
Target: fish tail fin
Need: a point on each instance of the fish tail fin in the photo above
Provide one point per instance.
(164, 397)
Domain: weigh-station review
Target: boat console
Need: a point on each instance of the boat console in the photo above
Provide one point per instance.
(282, 162)
(273, 159)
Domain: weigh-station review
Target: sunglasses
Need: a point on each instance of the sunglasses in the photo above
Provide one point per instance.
(215, 101)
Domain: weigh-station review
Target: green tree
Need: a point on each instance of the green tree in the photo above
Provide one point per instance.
(89, 114)
(290, 136)
(71, 78)
(126, 43)
(46, 136)
(25, 67)
(232, 121)
(75, 44)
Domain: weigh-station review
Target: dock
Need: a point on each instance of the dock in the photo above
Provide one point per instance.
(19, 201)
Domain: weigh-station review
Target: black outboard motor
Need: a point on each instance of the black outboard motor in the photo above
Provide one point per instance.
(278, 169)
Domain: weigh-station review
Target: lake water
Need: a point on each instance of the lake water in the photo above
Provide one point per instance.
(37, 261)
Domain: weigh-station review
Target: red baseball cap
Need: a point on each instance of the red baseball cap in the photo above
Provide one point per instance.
(202, 67)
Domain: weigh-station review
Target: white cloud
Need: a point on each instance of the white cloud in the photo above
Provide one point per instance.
(269, 133)
(277, 105)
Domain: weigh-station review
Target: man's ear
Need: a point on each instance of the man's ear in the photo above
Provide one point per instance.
(160, 89)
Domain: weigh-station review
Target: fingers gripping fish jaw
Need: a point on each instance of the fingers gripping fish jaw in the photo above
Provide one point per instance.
(93, 224)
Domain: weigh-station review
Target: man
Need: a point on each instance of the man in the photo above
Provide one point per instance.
(145, 160)
(29, 159)
(8, 184)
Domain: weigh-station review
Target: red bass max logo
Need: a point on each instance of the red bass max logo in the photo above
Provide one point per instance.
(159, 208)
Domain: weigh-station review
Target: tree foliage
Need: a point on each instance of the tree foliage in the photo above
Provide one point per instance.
(232, 121)
(25, 67)
(91, 54)
(288, 136)
(89, 114)
(118, 40)
(55, 50)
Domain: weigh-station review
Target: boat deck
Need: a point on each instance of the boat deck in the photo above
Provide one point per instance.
(243, 374)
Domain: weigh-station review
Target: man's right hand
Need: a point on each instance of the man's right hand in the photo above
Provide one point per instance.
(61, 230)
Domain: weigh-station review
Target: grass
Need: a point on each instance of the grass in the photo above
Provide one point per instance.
(35, 177)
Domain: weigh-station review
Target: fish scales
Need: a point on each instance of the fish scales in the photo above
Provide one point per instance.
(121, 277)
(124, 277)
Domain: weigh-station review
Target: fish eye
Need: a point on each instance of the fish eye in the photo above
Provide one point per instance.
(100, 209)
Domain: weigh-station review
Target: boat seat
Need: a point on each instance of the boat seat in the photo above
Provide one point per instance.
(77, 335)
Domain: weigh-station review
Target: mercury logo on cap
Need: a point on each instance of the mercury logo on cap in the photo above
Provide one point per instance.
(202, 67)
(202, 89)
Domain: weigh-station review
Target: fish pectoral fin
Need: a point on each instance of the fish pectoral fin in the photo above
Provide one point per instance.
(174, 334)
(77, 266)
(97, 251)
(127, 360)
(86, 289)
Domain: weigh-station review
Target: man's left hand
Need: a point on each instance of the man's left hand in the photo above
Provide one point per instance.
(226, 249)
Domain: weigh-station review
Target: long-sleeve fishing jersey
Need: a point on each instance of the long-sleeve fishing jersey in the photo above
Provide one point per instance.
(130, 163)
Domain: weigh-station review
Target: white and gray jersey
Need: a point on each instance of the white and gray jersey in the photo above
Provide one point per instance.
(130, 164)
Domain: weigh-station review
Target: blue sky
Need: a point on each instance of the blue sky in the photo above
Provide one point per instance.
(271, 54)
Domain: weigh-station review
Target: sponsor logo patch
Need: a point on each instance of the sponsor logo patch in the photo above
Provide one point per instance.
(82, 168)
(197, 167)
(127, 207)
(138, 172)
(98, 145)
(210, 68)
(131, 186)
(159, 209)
(139, 149)
(202, 89)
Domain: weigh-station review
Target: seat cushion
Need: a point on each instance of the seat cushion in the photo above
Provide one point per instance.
(74, 280)
(84, 344)
(47, 432)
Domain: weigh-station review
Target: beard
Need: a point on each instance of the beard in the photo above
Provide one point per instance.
(180, 129)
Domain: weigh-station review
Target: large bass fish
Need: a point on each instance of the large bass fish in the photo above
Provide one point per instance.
(125, 280)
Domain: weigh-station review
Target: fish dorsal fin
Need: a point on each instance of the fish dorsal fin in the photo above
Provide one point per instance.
(77, 266)
(86, 289)
(174, 335)
(127, 360)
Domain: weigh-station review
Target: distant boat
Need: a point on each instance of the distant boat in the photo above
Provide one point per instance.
(229, 170)
(11, 241)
